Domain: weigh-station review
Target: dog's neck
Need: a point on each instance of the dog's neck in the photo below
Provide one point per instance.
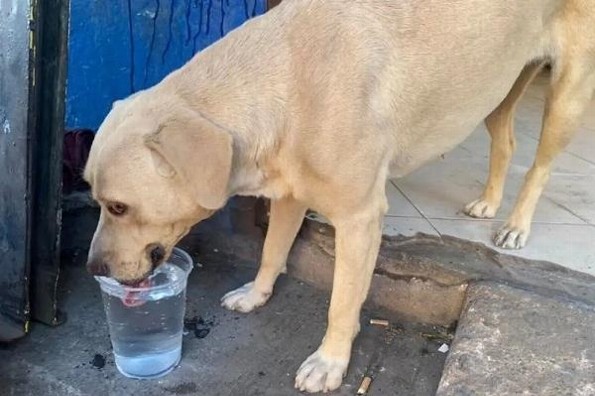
(255, 171)
(241, 88)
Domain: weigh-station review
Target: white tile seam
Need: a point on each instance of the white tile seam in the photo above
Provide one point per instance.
(472, 220)
(416, 208)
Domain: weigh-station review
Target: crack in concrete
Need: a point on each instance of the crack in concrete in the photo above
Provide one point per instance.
(409, 278)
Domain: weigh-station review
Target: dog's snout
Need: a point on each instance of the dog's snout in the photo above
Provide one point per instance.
(156, 253)
(98, 268)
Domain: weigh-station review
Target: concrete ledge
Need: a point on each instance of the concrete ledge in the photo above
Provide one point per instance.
(515, 342)
(420, 296)
(424, 278)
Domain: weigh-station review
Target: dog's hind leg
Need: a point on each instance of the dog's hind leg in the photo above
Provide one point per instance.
(500, 126)
(286, 218)
(570, 93)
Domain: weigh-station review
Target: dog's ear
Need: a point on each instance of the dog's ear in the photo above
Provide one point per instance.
(199, 153)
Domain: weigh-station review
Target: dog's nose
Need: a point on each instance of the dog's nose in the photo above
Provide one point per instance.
(98, 268)
(156, 253)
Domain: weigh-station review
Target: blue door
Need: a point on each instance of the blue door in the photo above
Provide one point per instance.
(117, 47)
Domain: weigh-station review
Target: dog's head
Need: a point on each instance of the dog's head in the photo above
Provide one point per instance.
(155, 168)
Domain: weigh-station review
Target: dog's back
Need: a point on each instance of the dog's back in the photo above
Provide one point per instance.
(428, 71)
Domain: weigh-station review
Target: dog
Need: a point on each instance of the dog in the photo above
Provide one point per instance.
(314, 105)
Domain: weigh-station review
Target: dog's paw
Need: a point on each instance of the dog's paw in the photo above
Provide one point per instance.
(511, 237)
(244, 299)
(481, 209)
(320, 374)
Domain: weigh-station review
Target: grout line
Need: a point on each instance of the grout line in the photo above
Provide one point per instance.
(416, 208)
(474, 220)
(564, 207)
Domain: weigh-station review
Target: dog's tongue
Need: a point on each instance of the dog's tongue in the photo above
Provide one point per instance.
(142, 284)
(132, 298)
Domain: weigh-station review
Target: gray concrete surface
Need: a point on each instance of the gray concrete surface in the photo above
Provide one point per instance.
(515, 342)
(255, 354)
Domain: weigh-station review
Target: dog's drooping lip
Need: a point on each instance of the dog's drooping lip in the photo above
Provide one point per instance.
(139, 283)
(157, 259)
(156, 254)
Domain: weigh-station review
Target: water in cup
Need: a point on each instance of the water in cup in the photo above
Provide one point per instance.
(146, 323)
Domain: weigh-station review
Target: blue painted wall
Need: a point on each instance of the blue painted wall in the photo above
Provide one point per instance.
(117, 47)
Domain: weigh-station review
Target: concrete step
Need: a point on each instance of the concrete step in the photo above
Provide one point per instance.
(516, 342)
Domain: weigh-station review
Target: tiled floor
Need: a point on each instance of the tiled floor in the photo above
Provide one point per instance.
(430, 200)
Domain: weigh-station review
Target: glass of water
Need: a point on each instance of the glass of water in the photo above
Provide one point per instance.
(146, 322)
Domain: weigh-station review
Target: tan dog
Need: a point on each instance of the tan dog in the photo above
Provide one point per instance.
(315, 105)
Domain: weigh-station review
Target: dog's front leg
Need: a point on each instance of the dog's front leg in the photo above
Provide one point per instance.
(287, 215)
(357, 243)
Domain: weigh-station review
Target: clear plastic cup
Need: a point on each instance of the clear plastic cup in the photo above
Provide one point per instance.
(146, 322)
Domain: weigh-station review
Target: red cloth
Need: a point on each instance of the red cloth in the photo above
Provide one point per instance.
(77, 144)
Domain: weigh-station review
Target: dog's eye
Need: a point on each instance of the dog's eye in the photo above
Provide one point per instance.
(117, 208)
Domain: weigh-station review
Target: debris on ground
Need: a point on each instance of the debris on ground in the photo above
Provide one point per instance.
(186, 388)
(440, 334)
(202, 333)
(379, 322)
(98, 361)
(444, 348)
(365, 385)
(198, 326)
(389, 335)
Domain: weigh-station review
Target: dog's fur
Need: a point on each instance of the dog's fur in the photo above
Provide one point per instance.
(315, 105)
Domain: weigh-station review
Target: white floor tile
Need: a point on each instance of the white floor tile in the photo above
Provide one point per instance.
(398, 204)
(441, 190)
(567, 245)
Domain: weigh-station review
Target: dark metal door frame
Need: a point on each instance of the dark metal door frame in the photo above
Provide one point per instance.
(51, 65)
